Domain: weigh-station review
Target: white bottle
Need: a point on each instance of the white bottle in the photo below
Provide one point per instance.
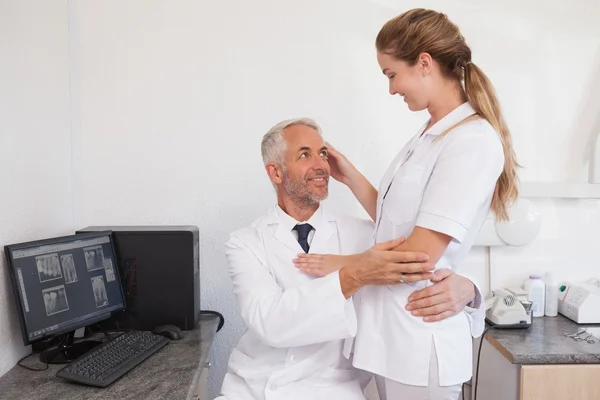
(536, 293)
(551, 308)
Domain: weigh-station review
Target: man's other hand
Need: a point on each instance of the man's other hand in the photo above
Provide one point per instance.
(448, 296)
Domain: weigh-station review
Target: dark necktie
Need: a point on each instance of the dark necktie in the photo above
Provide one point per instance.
(303, 231)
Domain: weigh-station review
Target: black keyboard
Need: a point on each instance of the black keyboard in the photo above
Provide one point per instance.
(109, 361)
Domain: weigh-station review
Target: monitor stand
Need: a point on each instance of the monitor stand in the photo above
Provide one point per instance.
(67, 351)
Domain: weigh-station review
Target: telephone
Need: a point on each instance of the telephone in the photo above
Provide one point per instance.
(508, 308)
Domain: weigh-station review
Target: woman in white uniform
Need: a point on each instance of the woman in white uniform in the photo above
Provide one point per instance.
(436, 193)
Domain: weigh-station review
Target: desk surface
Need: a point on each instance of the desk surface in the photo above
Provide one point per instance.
(544, 343)
(171, 373)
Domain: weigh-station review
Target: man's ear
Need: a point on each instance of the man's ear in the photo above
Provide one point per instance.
(275, 173)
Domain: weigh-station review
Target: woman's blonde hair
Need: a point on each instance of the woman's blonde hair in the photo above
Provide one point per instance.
(426, 31)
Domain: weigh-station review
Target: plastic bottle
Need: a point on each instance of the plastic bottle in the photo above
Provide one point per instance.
(551, 308)
(536, 293)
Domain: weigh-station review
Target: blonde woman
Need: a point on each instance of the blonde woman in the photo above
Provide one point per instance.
(436, 193)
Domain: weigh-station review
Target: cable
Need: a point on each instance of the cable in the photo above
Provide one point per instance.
(485, 331)
(463, 389)
(218, 314)
(29, 368)
(50, 346)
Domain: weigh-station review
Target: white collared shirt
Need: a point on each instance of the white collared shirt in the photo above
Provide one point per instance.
(315, 220)
(444, 185)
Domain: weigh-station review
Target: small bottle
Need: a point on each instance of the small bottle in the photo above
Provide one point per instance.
(536, 293)
(551, 308)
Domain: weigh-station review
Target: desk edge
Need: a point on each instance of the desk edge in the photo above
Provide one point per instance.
(492, 340)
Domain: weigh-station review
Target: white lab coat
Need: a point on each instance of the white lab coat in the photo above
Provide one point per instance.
(444, 185)
(297, 324)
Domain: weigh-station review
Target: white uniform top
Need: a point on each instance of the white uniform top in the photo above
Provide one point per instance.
(444, 185)
(296, 324)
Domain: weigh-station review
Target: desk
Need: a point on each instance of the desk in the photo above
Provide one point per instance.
(539, 363)
(174, 372)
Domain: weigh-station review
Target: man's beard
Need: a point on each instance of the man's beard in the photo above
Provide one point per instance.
(298, 190)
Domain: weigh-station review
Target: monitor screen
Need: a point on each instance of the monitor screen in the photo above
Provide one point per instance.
(65, 283)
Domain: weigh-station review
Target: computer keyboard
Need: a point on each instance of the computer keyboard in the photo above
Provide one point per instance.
(109, 361)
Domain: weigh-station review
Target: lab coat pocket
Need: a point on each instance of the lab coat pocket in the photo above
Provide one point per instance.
(247, 368)
(403, 198)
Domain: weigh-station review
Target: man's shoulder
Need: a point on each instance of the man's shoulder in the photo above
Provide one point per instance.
(361, 227)
(252, 231)
(349, 220)
(355, 233)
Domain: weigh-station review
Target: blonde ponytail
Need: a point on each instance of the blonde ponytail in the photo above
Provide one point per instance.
(482, 96)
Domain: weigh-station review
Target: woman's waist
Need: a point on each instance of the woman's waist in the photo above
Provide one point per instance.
(385, 306)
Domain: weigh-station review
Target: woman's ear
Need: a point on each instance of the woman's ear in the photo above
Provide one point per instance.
(275, 173)
(425, 63)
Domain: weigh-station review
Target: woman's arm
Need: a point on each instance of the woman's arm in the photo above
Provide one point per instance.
(421, 241)
(379, 265)
(443, 299)
(365, 193)
(343, 171)
(447, 297)
(426, 241)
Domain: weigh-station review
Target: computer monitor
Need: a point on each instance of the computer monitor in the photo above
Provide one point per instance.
(63, 284)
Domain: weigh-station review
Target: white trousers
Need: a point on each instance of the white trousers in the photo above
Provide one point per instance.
(392, 390)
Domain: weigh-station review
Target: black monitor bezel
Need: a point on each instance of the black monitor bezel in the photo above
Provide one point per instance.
(9, 249)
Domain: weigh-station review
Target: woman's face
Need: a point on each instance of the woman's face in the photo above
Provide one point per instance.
(407, 81)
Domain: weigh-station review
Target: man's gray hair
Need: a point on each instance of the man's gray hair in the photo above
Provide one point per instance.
(273, 146)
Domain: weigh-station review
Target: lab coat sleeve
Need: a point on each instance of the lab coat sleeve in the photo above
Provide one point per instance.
(314, 312)
(476, 314)
(463, 179)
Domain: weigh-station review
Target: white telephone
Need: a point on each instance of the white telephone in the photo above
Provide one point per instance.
(508, 308)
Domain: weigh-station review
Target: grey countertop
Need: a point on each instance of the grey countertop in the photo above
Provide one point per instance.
(171, 373)
(544, 343)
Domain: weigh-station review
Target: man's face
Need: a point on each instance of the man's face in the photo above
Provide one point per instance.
(306, 172)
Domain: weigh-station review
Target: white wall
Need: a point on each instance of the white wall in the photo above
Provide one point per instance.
(36, 199)
(170, 100)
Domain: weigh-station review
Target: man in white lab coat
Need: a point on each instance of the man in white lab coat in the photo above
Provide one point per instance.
(297, 325)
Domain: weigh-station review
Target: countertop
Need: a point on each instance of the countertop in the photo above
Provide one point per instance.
(171, 373)
(544, 343)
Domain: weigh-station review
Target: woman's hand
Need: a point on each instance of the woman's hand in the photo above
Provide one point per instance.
(324, 264)
(319, 264)
(342, 169)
